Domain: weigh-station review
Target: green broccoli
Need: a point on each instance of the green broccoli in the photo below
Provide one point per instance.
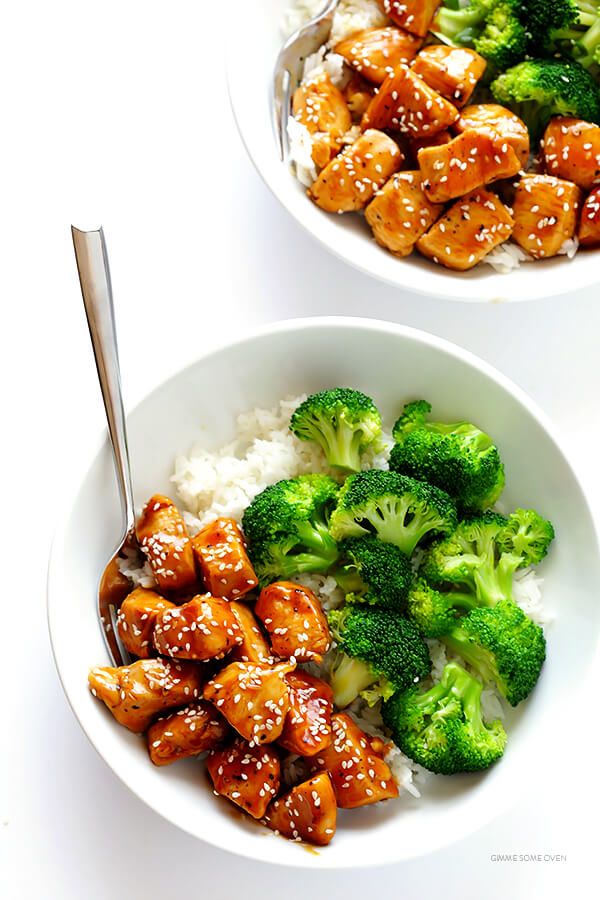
(374, 573)
(377, 649)
(342, 421)
(503, 645)
(436, 612)
(397, 509)
(287, 530)
(458, 457)
(485, 551)
(442, 728)
(492, 27)
(538, 89)
(570, 27)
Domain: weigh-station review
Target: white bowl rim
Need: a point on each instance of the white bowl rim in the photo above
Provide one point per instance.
(281, 328)
(554, 279)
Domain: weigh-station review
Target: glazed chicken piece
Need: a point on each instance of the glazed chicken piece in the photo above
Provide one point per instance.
(187, 732)
(253, 647)
(401, 213)
(350, 180)
(468, 231)
(135, 694)
(254, 698)
(589, 227)
(248, 776)
(545, 210)
(415, 16)
(376, 52)
(407, 104)
(358, 93)
(306, 813)
(114, 586)
(307, 728)
(164, 540)
(496, 120)
(572, 151)
(435, 140)
(468, 161)
(355, 763)
(220, 552)
(204, 628)
(320, 106)
(294, 620)
(451, 71)
(137, 618)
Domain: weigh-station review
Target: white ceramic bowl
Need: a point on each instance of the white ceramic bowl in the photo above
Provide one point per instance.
(253, 45)
(390, 363)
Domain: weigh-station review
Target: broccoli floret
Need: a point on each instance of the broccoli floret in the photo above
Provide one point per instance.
(538, 89)
(377, 649)
(436, 612)
(484, 553)
(503, 645)
(571, 27)
(528, 535)
(442, 728)
(457, 457)
(287, 528)
(492, 27)
(397, 509)
(342, 421)
(374, 573)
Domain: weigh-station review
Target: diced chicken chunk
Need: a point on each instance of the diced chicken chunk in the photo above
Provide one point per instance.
(400, 213)
(135, 694)
(358, 93)
(376, 52)
(222, 560)
(294, 620)
(545, 209)
(572, 151)
(468, 231)
(307, 728)
(253, 647)
(137, 618)
(114, 586)
(589, 227)
(354, 760)
(415, 16)
(164, 540)
(407, 104)
(204, 628)
(496, 120)
(254, 698)
(248, 776)
(306, 813)
(320, 106)
(187, 732)
(451, 71)
(435, 140)
(468, 161)
(350, 180)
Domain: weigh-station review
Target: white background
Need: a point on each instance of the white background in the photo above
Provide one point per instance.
(117, 114)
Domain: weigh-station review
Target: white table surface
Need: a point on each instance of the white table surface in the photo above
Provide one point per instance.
(117, 113)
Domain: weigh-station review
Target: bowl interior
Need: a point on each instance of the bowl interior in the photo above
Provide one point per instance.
(202, 402)
(258, 25)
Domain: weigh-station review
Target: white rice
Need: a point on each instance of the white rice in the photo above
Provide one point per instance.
(510, 256)
(224, 481)
(351, 16)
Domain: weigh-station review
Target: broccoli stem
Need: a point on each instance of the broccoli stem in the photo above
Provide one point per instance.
(458, 26)
(315, 535)
(494, 581)
(339, 442)
(350, 677)
(475, 656)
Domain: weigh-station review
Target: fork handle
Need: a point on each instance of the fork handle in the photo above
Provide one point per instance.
(96, 288)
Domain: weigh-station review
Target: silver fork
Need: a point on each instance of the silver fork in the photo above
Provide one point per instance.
(290, 64)
(94, 277)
